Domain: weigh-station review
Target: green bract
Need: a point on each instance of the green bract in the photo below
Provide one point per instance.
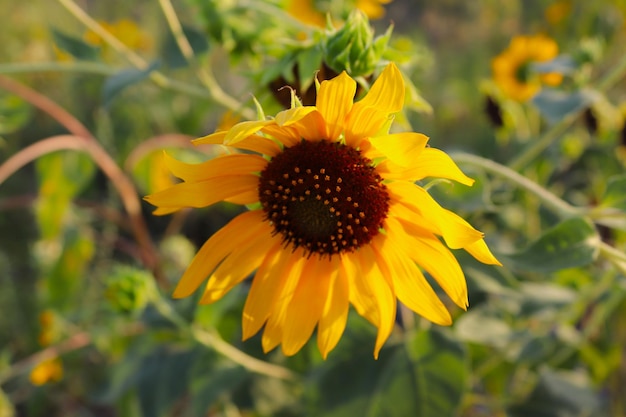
(353, 47)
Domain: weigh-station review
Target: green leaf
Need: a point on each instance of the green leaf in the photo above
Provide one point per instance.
(163, 380)
(115, 84)
(62, 175)
(570, 244)
(14, 113)
(171, 53)
(455, 196)
(63, 282)
(558, 395)
(6, 408)
(615, 193)
(423, 377)
(75, 46)
(554, 105)
(159, 374)
(210, 386)
(478, 327)
(562, 64)
(309, 61)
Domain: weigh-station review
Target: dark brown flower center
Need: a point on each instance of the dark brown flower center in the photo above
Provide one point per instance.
(323, 196)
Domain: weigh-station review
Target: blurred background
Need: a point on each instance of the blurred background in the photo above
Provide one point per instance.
(88, 327)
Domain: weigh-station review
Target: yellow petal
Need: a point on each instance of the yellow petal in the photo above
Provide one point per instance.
(360, 295)
(249, 196)
(242, 261)
(273, 333)
(224, 241)
(334, 101)
(306, 306)
(293, 115)
(164, 211)
(244, 129)
(410, 285)
(216, 138)
(367, 122)
(369, 114)
(266, 286)
(434, 257)
(204, 193)
(254, 143)
(481, 252)
(310, 127)
(457, 232)
(401, 148)
(287, 135)
(431, 162)
(335, 313)
(384, 298)
(216, 167)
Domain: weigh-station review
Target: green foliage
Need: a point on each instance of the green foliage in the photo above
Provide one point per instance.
(424, 376)
(571, 243)
(87, 273)
(115, 84)
(76, 47)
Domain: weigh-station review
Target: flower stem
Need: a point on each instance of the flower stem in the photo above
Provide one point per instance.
(212, 340)
(553, 202)
(215, 91)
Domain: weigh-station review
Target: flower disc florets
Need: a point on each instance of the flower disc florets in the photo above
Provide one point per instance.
(323, 196)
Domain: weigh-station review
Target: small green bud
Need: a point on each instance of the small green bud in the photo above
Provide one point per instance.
(353, 48)
(128, 290)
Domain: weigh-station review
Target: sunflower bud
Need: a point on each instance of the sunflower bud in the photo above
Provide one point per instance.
(353, 48)
(129, 290)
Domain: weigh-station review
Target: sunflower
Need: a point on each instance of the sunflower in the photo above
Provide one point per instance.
(512, 69)
(311, 13)
(335, 218)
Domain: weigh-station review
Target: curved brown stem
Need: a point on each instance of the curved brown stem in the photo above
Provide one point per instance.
(46, 105)
(82, 139)
(122, 184)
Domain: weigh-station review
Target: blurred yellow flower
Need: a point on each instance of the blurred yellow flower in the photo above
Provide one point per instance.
(46, 323)
(126, 31)
(558, 11)
(308, 12)
(512, 70)
(372, 8)
(50, 370)
(327, 226)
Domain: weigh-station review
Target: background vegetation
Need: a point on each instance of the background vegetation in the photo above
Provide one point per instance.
(89, 328)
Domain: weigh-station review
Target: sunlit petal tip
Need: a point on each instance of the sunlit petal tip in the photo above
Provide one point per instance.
(291, 116)
(244, 129)
(334, 101)
(480, 251)
(216, 138)
(164, 211)
(401, 148)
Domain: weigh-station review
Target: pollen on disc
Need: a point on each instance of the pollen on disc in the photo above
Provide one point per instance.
(300, 193)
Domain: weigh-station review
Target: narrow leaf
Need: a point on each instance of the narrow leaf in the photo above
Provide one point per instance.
(123, 79)
(571, 243)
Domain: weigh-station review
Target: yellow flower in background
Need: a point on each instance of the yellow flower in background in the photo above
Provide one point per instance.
(50, 370)
(335, 218)
(47, 332)
(512, 70)
(126, 31)
(558, 11)
(308, 12)
(372, 8)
